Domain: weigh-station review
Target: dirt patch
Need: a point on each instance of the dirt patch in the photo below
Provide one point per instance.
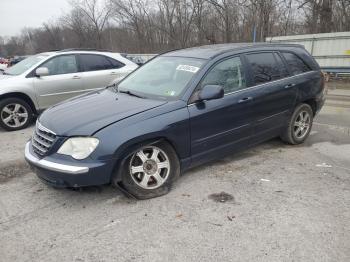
(13, 169)
(222, 197)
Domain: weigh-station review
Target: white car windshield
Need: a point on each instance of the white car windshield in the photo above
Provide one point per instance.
(24, 65)
(162, 77)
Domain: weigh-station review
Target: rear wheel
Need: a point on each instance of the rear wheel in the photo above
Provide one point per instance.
(15, 114)
(150, 171)
(299, 126)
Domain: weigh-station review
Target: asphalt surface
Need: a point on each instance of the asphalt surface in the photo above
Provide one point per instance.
(273, 202)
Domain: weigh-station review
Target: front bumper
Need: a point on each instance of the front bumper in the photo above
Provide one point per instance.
(68, 169)
(59, 173)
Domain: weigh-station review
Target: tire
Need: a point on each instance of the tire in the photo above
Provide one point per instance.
(15, 114)
(299, 125)
(141, 174)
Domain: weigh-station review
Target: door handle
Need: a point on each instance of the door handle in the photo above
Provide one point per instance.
(289, 86)
(245, 99)
(76, 77)
(114, 73)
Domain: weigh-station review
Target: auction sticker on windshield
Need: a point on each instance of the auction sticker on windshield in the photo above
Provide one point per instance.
(188, 68)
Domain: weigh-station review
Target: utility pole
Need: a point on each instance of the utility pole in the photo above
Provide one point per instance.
(254, 34)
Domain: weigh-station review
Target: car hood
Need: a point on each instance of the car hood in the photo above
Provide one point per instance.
(84, 115)
(5, 77)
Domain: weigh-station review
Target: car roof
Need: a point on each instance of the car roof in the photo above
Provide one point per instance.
(210, 51)
(114, 55)
(78, 51)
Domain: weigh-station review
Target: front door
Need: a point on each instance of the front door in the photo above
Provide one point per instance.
(63, 82)
(221, 125)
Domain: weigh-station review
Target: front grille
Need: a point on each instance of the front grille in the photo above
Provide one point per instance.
(42, 139)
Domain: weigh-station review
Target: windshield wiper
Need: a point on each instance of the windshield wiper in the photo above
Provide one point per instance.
(130, 93)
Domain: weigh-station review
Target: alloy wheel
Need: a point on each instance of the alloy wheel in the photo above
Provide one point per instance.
(302, 124)
(14, 115)
(149, 167)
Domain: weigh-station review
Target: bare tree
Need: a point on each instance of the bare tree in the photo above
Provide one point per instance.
(96, 13)
(76, 22)
(160, 25)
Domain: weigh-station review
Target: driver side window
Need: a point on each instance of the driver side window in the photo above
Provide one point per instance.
(61, 65)
(229, 74)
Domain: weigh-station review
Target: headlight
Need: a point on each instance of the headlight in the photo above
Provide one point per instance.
(79, 147)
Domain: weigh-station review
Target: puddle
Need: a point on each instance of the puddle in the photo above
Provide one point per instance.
(222, 197)
(11, 170)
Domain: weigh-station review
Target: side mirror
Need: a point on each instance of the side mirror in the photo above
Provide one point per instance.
(210, 92)
(42, 71)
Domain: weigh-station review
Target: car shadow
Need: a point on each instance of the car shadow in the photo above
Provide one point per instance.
(324, 135)
(22, 130)
(246, 154)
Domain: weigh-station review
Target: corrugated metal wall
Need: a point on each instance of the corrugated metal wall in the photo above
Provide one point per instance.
(330, 50)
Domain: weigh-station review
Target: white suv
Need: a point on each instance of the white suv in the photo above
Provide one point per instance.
(45, 79)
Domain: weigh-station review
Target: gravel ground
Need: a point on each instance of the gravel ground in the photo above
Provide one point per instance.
(269, 203)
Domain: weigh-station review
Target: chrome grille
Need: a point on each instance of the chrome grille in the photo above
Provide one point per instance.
(42, 139)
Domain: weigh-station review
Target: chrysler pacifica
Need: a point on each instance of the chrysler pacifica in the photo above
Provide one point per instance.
(179, 110)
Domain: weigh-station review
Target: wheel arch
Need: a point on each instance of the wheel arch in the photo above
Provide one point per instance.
(22, 96)
(129, 147)
(312, 103)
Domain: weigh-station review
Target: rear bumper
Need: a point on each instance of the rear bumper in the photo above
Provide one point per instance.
(319, 104)
(58, 173)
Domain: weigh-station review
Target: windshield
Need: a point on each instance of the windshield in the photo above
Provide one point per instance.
(163, 77)
(24, 65)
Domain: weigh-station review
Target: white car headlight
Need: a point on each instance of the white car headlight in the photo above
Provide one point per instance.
(79, 147)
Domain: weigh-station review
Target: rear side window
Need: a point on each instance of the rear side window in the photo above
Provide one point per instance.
(265, 67)
(98, 62)
(295, 64)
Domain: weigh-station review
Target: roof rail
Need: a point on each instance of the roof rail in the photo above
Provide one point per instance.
(84, 49)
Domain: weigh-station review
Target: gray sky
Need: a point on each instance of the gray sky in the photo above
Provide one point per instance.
(16, 14)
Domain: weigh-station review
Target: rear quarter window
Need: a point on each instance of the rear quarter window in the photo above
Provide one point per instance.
(296, 65)
(115, 63)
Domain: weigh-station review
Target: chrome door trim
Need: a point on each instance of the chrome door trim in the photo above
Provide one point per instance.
(262, 85)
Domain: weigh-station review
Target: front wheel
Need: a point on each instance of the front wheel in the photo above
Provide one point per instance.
(299, 125)
(150, 171)
(15, 114)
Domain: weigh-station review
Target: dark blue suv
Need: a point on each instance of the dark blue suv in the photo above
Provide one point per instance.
(180, 109)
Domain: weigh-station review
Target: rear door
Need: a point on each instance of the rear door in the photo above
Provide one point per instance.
(304, 78)
(99, 71)
(63, 81)
(218, 126)
(275, 93)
